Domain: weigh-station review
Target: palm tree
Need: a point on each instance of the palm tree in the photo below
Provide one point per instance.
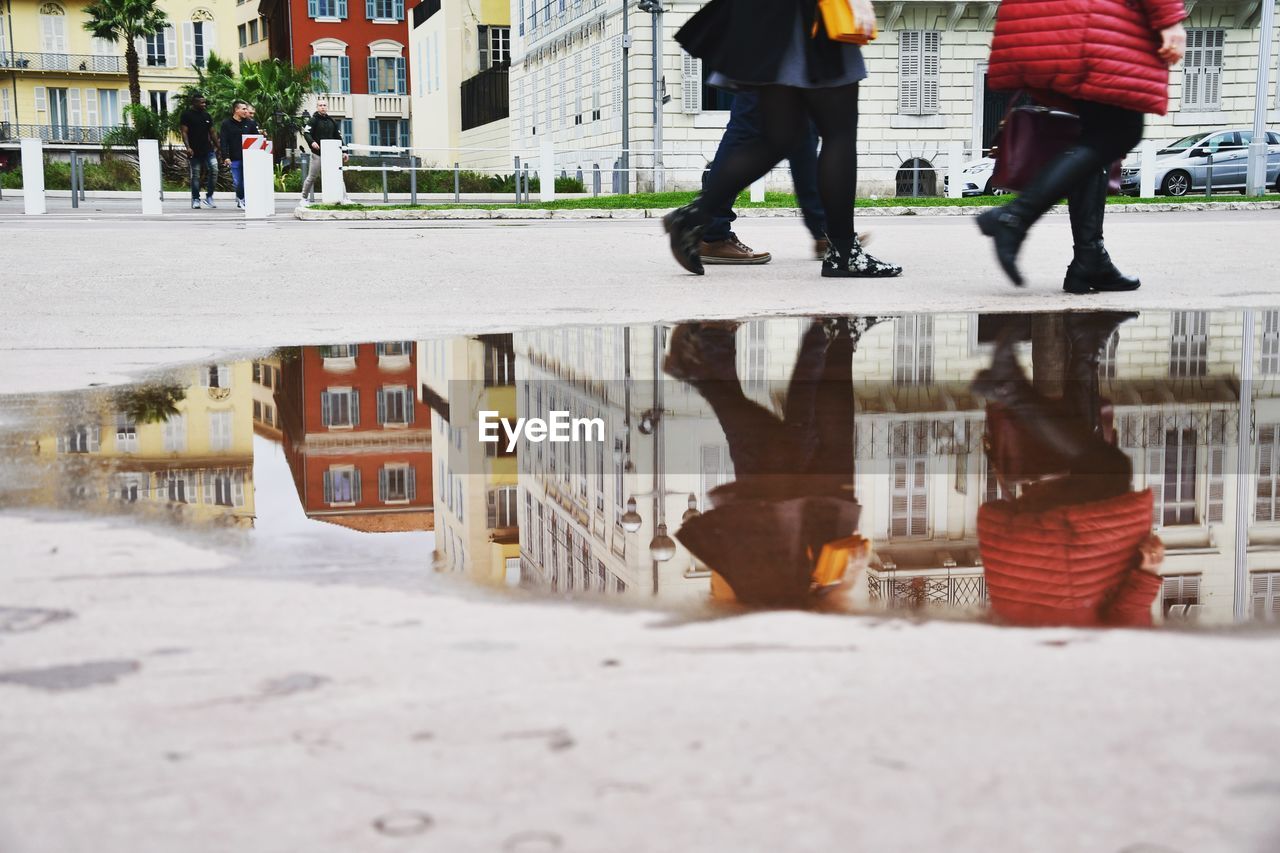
(152, 403)
(127, 20)
(276, 90)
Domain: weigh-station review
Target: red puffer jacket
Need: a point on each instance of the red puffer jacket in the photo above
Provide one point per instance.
(1074, 565)
(1092, 50)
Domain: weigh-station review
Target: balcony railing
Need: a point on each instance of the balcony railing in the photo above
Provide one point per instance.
(484, 98)
(81, 63)
(423, 11)
(339, 105)
(385, 106)
(65, 134)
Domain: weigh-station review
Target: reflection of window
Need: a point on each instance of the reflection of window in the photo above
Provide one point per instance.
(495, 47)
(909, 495)
(502, 507)
(913, 349)
(126, 433)
(215, 376)
(395, 406)
(1107, 360)
(178, 486)
(1171, 472)
(715, 468)
(340, 407)
(1270, 343)
(224, 488)
(1264, 595)
(82, 438)
(342, 486)
(175, 433)
(220, 430)
(395, 348)
(1188, 343)
(338, 351)
(499, 361)
(1267, 500)
(396, 484)
(1179, 590)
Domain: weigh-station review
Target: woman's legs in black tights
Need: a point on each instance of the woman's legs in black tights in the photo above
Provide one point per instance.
(1107, 133)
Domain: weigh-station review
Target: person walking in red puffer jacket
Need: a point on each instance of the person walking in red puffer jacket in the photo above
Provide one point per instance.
(1107, 61)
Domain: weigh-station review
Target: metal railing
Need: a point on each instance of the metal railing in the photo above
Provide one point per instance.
(86, 63)
(484, 98)
(70, 134)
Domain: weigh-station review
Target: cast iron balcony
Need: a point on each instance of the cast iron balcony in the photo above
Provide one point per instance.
(75, 63)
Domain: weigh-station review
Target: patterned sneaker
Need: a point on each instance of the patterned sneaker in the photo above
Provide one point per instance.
(730, 250)
(208, 202)
(686, 236)
(856, 263)
(821, 244)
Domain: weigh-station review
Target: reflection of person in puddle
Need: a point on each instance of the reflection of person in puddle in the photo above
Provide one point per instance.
(1076, 549)
(793, 491)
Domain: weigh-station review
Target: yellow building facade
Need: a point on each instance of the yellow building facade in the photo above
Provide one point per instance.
(61, 84)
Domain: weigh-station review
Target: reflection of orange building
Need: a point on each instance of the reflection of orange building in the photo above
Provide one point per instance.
(357, 441)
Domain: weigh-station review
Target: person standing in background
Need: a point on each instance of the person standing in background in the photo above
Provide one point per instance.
(202, 148)
(230, 134)
(320, 127)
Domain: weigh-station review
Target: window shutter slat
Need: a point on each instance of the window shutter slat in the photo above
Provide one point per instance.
(369, 11)
(324, 408)
(328, 487)
(344, 69)
(691, 83)
(402, 79)
(355, 408)
(412, 477)
(398, 8)
(382, 406)
(382, 484)
(313, 10)
(188, 44)
(170, 47)
(373, 81)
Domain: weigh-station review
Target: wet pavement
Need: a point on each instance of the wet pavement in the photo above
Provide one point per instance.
(786, 575)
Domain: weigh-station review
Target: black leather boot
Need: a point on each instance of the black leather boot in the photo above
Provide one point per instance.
(685, 225)
(1008, 225)
(1091, 269)
(1086, 335)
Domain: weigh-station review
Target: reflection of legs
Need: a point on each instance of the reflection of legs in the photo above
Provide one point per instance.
(820, 406)
(1107, 469)
(1087, 334)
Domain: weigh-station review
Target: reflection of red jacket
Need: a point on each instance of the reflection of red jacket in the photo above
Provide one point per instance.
(1073, 565)
(1092, 50)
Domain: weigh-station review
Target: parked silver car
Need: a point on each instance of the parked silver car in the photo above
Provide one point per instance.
(1184, 166)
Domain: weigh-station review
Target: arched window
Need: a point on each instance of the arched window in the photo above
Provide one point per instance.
(387, 68)
(53, 28)
(199, 38)
(917, 177)
(335, 66)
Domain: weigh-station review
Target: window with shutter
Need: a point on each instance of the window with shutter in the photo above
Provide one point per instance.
(1264, 595)
(1265, 501)
(1179, 590)
(909, 72)
(41, 99)
(1270, 364)
(930, 72)
(909, 495)
(1188, 343)
(691, 83)
(73, 107)
(913, 349)
(1216, 467)
(1202, 70)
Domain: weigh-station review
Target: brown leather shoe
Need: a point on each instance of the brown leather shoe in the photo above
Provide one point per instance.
(731, 250)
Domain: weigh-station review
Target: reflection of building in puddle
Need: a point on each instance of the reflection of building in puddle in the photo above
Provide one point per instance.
(266, 412)
(597, 515)
(355, 437)
(476, 509)
(186, 448)
(1173, 380)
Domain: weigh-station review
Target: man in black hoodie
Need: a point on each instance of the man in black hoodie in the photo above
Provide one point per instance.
(321, 126)
(229, 134)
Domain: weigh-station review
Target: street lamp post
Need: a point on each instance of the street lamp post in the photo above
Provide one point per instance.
(1257, 174)
(654, 8)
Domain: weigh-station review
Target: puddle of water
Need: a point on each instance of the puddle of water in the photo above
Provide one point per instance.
(838, 463)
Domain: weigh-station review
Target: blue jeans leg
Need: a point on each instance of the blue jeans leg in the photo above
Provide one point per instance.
(211, 174)
(193, 164)
(744, 126)
(237, 177)
(804, 175)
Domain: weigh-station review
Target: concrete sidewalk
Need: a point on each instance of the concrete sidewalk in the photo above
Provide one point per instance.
(226, 283)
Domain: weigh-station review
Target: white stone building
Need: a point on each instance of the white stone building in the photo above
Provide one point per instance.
(926, 86)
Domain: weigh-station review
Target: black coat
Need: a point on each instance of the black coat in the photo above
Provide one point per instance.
(746, 39)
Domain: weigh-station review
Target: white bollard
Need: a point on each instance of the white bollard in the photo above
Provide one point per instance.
(1147, 169)
(955, 163)
(757, 191)
(149, 176)
(259, 184)
(332, 187)
(32, 177)
(547, 171)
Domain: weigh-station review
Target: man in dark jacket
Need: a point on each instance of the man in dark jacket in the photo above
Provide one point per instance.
(321, 126)
(229, 134)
